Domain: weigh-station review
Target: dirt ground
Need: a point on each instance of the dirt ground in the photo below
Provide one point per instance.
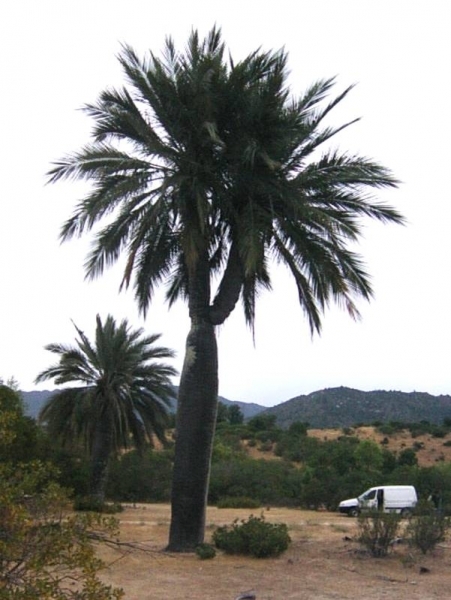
(322, 562)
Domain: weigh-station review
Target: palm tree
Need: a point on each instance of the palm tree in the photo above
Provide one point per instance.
(123, 397)
(209, 172)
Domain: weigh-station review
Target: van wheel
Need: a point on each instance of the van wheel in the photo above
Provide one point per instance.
(354, 512)
(405, 512)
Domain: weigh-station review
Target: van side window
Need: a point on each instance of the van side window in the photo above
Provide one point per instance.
(370, 495)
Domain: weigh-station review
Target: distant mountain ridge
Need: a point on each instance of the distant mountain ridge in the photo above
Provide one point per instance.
(35, 400)
(343, 407)
(331, 407)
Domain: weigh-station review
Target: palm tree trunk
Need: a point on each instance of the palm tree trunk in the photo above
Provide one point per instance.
(196, 417)
(198, 401)
(100, 458)
(196, 420)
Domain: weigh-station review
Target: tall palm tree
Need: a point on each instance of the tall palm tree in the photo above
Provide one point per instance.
(123, 397)
(209, 172)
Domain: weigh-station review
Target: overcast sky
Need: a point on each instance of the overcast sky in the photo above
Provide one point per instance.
(58, 55)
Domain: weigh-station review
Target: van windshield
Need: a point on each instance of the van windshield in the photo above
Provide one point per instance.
(370, 495)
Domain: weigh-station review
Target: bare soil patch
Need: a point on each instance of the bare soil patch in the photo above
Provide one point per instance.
(323, 562)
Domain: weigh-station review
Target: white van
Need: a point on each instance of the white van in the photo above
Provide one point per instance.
(389, 498)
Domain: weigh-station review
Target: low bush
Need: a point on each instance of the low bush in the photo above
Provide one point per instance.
(267, 481)
(205, 551)
(377, 530)
(238, 502)
(254, 537)
(141, 478)
(88, 504)
(439, 432)
(44, 552)
(427, 528)
(266, 446)
(272, 435)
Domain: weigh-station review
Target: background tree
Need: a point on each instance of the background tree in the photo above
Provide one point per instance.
(20, 437)
(11, 413)
(11, 383)
(42, 548)
(223, 413)
(123, 398)
(212, 173)
(229, 414)
(235, 416)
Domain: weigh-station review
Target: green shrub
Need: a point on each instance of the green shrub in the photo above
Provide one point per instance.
(88, 504)
(271, 435)
(421, 428)
(298, 428)
(238, 502)
(205, 551)
(297, 447)
(262, 422)
(44, 551)
(267, 481)
(377, 530)
(266, 446)
(232, 435)
(439, 432)
(392, 427)
(141, 478)
(427, 528)
(253, 537)
(407, 457)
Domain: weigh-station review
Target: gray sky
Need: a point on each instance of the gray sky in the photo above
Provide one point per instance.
(58, 55)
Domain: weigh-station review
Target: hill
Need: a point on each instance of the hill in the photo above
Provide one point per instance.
(34, 400)
(343, 407)
(328, 408)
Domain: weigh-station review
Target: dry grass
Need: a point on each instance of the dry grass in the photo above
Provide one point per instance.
(322, 562)
(432, 451)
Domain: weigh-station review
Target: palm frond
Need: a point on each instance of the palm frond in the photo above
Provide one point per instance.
(97, 161)
(196, 153)
(127, 386)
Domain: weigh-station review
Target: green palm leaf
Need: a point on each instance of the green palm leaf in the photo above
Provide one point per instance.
(125, 394)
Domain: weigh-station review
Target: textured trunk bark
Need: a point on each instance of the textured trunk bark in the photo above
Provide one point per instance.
(198, 402)
(100, 458)
(196, 419)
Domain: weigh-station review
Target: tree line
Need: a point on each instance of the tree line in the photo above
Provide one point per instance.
(299, 470)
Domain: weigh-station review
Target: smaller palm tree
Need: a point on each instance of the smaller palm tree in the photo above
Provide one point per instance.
(123, 399)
